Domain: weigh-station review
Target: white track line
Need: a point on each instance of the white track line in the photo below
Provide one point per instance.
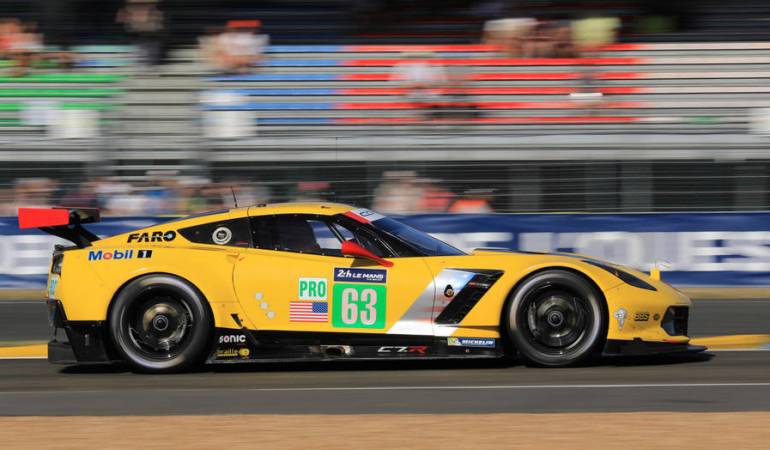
(515, 387)
(415, 388)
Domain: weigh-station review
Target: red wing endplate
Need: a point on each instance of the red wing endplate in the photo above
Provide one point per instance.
(62, 222)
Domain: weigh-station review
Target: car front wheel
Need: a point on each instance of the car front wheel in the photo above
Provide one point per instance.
(556, 318)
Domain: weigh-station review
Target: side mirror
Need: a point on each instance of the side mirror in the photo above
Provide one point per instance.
(350, 248)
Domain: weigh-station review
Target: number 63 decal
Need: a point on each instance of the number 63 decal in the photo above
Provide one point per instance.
(358, 305)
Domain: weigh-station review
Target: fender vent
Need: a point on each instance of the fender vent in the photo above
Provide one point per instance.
(468, 297)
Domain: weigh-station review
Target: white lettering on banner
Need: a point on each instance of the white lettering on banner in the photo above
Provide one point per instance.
(700, 251)
(26, 254)
(469, 241)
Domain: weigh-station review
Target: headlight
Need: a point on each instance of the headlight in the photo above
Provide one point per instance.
(623, 275)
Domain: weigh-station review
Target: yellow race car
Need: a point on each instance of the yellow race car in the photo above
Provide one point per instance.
(319, 281)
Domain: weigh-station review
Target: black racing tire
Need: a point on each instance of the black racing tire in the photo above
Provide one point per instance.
(556, 318)
(160, 324)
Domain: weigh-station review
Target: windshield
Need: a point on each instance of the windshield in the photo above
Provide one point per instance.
(422, 242)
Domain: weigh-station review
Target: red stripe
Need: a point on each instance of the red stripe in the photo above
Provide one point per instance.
(625, 47)
(420, 48)
(355, 217)
(523, 76)
(620, 75)
(487, 105)
(42, 217)
(492, 91)
(487, 120)
(506, 76)
(503, 62)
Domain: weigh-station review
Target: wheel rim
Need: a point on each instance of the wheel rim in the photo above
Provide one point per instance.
(555, 320)
(159, 327)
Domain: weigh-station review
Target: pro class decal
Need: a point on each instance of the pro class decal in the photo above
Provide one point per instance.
(358, 305)
(155, 236)
(470, 342)
(360, 275)
(102, 255)
(313, 288)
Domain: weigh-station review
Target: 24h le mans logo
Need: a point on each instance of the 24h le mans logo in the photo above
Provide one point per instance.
(358, 305)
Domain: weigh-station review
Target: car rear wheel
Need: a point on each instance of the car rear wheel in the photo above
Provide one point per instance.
(160, 324)
(556, 318)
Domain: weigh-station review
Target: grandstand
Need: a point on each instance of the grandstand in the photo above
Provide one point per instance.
(333, 111)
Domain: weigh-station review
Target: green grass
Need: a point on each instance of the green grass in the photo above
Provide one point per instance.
(65, 78)
(60, 92)
(92, 106)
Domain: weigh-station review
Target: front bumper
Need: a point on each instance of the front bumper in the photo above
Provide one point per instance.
(87, 341)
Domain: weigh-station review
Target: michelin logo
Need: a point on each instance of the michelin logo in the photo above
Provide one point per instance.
(471, 342)
(101, 255)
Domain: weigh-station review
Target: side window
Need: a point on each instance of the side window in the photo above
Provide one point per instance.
(371, 239)
(302, 234)
(361, 238)
(262, 232)
(231, 233)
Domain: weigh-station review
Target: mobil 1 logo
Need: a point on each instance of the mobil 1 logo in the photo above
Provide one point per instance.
(313, 289)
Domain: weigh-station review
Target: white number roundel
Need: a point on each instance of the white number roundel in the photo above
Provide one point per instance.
(351, 302)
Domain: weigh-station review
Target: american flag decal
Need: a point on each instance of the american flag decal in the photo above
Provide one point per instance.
(308, 311)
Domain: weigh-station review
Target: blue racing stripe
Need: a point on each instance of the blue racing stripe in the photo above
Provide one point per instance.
(300, 63)
(277, 77)
(270, 107)
(305, 48)
(293, 120)
(297, 91)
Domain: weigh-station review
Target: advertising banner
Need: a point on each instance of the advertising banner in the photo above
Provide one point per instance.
(692, 249)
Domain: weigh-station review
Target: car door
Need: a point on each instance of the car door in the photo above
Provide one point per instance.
(296, 279)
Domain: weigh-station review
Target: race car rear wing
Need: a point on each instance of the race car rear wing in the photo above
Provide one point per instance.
(66, 223)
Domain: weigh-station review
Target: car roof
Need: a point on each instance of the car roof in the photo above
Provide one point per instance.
(318, 208)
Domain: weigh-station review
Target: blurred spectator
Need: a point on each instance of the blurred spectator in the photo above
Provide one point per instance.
(422, 79)
(593, 33)
(434, 198)
(21, 44)
(590, 36)
(84, 196)
(33, 192)
(237, 48)
(553, 40)
(510, 35)
(399, 193)
(143, 22)
(473, 201)
(312, 191)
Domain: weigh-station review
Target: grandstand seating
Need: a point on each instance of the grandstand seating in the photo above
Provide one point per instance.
(314, 88)
(306, 94)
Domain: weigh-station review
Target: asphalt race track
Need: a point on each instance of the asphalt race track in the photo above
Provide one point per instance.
(713, 381)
